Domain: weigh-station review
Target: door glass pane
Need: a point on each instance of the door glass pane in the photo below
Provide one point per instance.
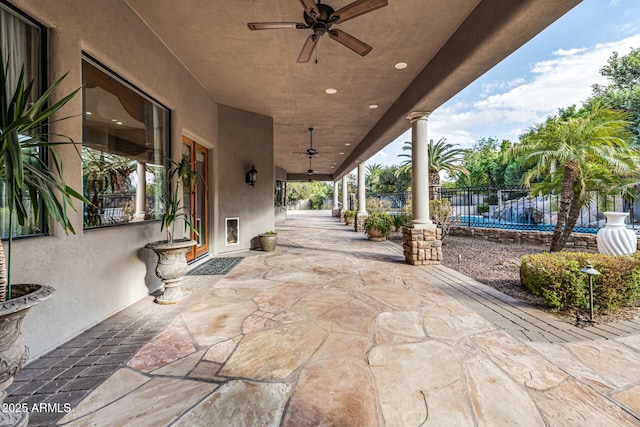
(200, 197)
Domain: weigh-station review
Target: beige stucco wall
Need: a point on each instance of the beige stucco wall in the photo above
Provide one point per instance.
(244, 139)
(98, 272)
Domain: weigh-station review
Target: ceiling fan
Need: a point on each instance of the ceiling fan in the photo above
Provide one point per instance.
(320, 18)
(310, 152)
(310, 171)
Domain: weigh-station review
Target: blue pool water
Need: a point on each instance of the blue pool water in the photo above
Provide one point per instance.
(481, 221)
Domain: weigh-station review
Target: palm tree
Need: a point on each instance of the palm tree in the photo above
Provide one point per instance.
(373, 172)
(585, 151)
(442, 157)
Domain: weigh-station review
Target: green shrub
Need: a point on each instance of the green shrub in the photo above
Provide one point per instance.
(349, 214)
(557, 279)
(375, 205)
(482, 208)
(316, 201)
(380, 221)
(400, 219)
(441, 213)
(491, 199)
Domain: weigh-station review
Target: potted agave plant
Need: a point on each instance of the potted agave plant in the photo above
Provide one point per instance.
(172, 253)
(29, 183)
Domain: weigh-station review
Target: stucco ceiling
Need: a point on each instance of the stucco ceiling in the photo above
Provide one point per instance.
(446, 43)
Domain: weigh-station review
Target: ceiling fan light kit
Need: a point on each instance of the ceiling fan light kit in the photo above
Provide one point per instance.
(320, 18)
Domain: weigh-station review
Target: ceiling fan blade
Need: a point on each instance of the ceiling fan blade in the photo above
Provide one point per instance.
(308, 48)
(275, 25)
(357, 8)
(358, 46)
(310, 7)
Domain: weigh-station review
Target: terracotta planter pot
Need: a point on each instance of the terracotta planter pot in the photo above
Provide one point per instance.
(375, 234)
(268, 242)
(349, 221)
(171, 268)
(13, 351)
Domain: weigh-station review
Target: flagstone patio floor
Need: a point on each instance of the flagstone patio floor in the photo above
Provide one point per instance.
(332, 329)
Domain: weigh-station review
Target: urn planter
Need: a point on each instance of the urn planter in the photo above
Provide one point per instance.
(13, 351)
(172, 267)
(268, 241)
(615, 238)
(376, 235)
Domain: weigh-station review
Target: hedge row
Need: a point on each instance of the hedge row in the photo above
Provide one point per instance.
(557, 279)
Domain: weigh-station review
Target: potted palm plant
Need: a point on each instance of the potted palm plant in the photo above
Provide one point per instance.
(172, 253)
(29, 183)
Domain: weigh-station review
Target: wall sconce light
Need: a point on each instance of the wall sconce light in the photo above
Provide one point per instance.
(252, 176)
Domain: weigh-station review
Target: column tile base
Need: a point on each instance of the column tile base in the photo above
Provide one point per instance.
(359, 222)
(422, 245)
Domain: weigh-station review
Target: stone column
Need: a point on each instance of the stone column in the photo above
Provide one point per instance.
(361, 215)
(336, 209)
(421, 239)
(141, 193)
(419, 169)
(345, 196)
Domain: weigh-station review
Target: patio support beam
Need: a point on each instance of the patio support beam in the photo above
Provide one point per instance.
(419, 169)
(336, 209)
(421, 239)
(361, 215)
(345, 197)
(345, 192)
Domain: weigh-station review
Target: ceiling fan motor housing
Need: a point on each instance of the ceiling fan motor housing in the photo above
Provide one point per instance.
(325, 13)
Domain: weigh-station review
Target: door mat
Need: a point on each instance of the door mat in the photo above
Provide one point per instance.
(215, 266)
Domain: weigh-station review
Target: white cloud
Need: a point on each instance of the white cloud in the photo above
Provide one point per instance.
(563, 52)
(559, 82)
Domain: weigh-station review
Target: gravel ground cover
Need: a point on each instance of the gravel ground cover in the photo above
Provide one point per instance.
(498, 265)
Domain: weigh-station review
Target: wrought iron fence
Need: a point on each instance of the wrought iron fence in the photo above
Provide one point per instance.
(513, 208)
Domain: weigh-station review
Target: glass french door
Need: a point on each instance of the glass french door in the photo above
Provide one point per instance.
(197, 201)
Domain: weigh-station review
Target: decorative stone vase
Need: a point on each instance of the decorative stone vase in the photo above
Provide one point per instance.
(349, 221)
(375, 234)
(172, 267)
(268, 242)
(615, 238)
(13, 351)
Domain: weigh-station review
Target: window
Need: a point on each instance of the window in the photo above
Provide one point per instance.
(22, 43)
(123, 155)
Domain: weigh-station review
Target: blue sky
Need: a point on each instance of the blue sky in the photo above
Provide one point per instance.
(555, 69)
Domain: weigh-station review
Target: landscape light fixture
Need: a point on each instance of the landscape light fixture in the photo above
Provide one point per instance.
(252, 176)
(590, 271)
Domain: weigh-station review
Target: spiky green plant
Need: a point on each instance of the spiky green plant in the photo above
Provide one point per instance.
(29, 181)
(178, 173)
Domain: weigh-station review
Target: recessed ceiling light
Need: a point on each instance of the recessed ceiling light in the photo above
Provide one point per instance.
(331, 91)
(334, 163)
(118, 123)
(373, 106)
(88, 113)
(401, 65)
(114, 120)
(333, 167)
(347, 144)
(341, 152)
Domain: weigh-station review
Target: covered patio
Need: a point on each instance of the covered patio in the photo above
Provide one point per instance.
(333, 329)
